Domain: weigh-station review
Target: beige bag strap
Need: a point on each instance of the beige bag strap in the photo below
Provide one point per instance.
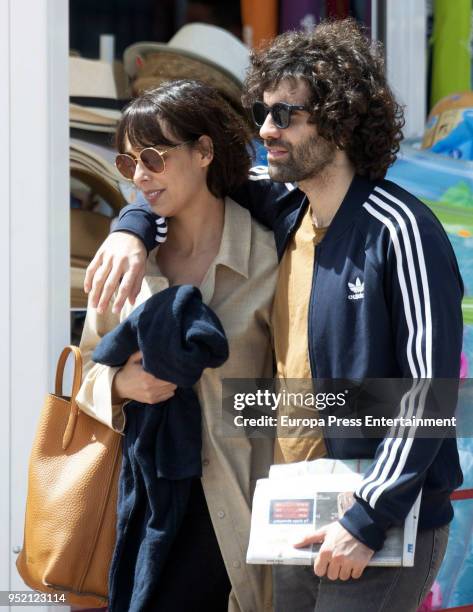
(76, 382)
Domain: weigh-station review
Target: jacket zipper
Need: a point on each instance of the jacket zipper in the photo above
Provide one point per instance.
(313, 368)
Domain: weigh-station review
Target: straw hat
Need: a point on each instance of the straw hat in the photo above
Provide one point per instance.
(91, 166)
(94, 165)
(197, 51)
(88, 230)
(93, 95)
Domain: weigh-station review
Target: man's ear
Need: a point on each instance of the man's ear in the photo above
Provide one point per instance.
(206, 150)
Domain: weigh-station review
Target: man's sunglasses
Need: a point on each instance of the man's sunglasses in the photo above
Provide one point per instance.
(151, 158)
(280, 112)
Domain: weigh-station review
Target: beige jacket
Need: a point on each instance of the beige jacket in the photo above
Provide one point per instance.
(239, 287)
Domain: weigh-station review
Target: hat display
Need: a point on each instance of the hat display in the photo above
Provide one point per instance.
(198, 51)
(94, 104)
(93, 108)
(98, 162)
(96, 186)
(88, 230)
(92, 169)
(84, 118)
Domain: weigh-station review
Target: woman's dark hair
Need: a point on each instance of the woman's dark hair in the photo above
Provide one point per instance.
(190, 109)
(350, 101)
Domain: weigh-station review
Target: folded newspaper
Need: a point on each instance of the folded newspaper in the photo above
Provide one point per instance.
(299, 498)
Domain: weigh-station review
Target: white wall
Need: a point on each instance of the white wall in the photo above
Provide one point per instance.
(5, 483)
(406, 26)
(34, 240)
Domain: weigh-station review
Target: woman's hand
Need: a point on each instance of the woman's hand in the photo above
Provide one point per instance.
(131, 382)
(119, 262)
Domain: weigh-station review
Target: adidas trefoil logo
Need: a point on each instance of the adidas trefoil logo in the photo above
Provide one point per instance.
(357, 290)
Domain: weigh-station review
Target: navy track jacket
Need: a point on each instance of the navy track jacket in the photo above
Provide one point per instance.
(385, 303)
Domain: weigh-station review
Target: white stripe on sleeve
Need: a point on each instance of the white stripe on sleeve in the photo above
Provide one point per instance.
(393, 458)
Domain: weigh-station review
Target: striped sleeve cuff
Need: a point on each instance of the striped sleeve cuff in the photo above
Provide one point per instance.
(161, 230)
(138, 224)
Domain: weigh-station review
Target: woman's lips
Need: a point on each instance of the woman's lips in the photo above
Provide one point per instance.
(153, 196)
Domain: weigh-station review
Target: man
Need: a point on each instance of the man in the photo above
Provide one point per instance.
(368, 288)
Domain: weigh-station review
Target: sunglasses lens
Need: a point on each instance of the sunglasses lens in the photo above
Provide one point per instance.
(259, 113)
(281, 115)
(126, 165)
(152, 160)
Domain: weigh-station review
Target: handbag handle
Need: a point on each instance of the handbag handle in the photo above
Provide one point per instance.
(76, 382)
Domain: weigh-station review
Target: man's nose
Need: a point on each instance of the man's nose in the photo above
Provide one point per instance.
(269, 130)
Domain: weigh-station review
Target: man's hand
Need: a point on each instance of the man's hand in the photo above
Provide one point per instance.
(120, 261)
(341, 555)
(133, 383)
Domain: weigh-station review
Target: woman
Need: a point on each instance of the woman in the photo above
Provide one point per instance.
(185, 150)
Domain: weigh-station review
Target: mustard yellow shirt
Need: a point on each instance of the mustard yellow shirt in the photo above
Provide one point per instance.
(290, 330)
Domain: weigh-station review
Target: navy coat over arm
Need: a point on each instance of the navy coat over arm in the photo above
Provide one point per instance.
(178, 336)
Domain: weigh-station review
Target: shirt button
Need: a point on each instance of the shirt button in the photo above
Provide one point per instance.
(221, 514)
(236, 564)
(205, 462)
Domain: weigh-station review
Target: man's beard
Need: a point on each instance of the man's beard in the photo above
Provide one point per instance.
(304, 161)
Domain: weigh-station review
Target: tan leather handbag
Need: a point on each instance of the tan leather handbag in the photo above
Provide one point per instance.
(72, 497)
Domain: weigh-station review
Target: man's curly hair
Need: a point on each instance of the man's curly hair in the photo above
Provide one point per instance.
(351, 103)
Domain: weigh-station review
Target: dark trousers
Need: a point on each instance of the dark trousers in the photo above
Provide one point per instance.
(166, 550)
(149, 515)
(194, 577)
(380, 589)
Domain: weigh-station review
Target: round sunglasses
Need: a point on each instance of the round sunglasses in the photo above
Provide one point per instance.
(280, 112)
(152, 159)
